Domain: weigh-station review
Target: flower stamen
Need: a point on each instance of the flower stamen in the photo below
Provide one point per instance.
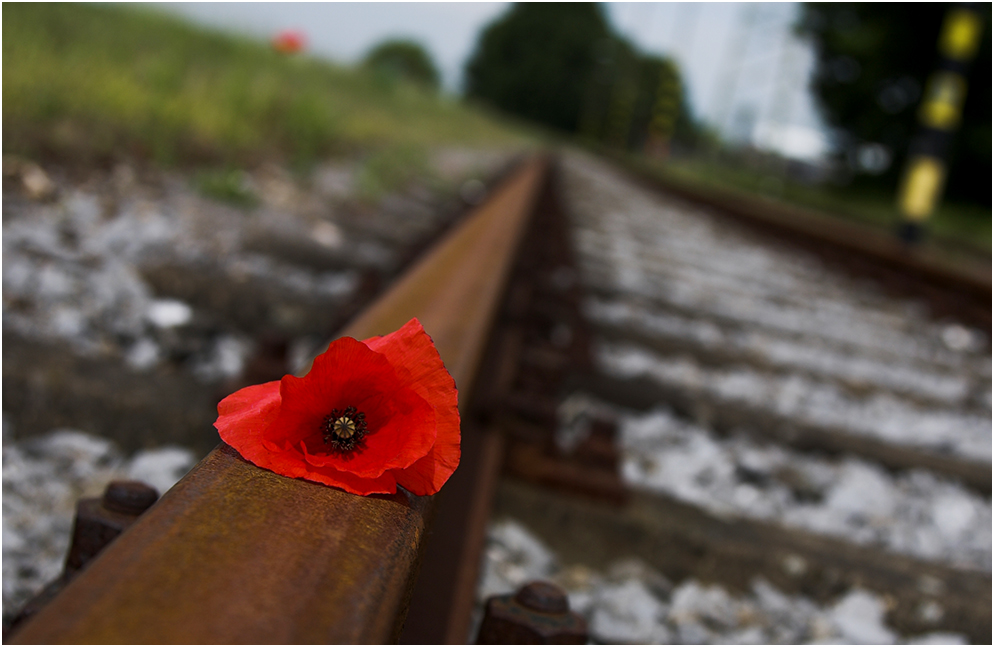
(344, 430)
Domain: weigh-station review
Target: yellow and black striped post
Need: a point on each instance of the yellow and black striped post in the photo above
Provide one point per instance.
(938, 118)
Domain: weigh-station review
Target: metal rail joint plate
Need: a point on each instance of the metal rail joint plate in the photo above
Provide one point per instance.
(237, 554)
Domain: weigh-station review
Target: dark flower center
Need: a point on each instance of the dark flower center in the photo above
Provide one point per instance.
(344, 430)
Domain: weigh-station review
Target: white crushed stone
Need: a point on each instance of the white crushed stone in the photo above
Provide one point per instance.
(914, 512)
(72, 265)
(815, 402)
(631, 603)
(628, 612)
(921, 379)
(859, 617)
(225, 358)
(143, 355)
(169, 313)
(516, 556)
(71, 273)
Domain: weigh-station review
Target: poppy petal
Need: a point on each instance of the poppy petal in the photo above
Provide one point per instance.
(348, 371)
(400, 442)
(416, 360)
(402, 422)
(420, 367)
(430, 473)
(383, 484)
(245, 415)
(398, 381)
(342, 375)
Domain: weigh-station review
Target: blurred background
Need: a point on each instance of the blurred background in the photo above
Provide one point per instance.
(196, 195)
(810, 103)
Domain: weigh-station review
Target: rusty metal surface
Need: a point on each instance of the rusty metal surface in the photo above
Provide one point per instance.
(235, 554)
(542, 296)
(443, 598)
(455, 290)
(548, 351)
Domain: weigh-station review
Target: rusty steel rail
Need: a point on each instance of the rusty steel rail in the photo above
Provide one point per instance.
(234, 553)
(443, 604)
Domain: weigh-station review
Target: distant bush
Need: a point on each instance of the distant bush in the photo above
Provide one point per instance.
(403, 59)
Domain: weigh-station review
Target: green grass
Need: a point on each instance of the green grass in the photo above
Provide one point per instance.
(93, 82)
(959, 228)
(226, 185)
(390, 167)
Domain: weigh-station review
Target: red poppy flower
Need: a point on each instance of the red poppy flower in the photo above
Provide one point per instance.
(368, 416)
(289, 42)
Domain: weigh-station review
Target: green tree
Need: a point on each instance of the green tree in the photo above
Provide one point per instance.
(403, 59)
(633, 98)
(535, 61)
(873, 60)
(562, 65)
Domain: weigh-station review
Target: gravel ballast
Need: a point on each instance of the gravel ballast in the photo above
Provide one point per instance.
(631, 603)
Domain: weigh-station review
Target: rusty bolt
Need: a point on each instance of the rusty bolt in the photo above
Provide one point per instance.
(129, 497)
(99, 521)
(544, 597)
(538, 614)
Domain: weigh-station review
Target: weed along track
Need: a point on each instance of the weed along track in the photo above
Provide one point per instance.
(698, 432)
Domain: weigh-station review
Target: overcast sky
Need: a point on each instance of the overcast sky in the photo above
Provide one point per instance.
(744, 70)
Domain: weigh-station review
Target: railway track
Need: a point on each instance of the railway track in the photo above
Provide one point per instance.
(653, 381)
(235, 553)
(771, 418)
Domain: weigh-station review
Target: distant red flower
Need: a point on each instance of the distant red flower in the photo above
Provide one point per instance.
(368, 416)
(289, 42)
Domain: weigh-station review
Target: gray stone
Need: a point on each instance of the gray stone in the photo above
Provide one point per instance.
(859, 617)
